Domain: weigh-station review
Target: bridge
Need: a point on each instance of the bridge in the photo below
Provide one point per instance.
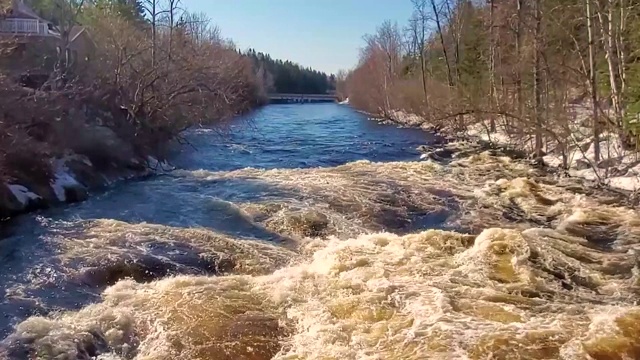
(300, 98)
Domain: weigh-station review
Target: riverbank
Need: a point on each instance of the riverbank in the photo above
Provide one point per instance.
(107, 105)
(73, 179)
(617, 168)
(56, 147)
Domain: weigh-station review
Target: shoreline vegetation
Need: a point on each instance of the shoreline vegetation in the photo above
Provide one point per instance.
(553, 79)
(75, 118)
(89, 122)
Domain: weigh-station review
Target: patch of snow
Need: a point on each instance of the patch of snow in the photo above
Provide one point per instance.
(499, 137)
(406, 119)
(625, 183)
(153, 162)
(582, 151)
(22, 193)
(70, 156)
(76, 157)
(62, 179)
(612, 152)
(159, 166)
(553, 160)
(345, 102)
(587, 174)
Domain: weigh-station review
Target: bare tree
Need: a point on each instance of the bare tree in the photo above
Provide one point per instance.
(534, 59)
(518, 55)
(172, 13)
(593, 82)
(537, 79)
(200, 28)
(492, 63)
(418, 29)
(385, 47)
(436, 13)
(605, 15)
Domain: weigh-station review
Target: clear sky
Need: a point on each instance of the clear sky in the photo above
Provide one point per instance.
(323, 34)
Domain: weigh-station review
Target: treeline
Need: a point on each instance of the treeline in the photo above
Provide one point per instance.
(287, 77)
(517, 66)
(168, 64)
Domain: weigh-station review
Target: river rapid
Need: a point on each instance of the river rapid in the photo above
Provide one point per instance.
(310, 232)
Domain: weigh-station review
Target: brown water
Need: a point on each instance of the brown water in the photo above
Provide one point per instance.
(483, 258)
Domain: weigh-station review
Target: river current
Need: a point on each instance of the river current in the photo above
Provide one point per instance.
(310, 232)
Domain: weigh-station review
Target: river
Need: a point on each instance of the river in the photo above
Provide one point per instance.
(311, 232)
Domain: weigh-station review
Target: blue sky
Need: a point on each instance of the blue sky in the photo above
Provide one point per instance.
(323, 34)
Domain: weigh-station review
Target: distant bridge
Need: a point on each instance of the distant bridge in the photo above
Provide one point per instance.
(300, 98)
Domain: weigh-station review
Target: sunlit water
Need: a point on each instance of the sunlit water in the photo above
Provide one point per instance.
(310, 232)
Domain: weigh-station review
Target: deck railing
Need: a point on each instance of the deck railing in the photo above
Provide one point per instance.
(24, 27)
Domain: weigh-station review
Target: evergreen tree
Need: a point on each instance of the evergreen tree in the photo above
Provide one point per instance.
(289, 77)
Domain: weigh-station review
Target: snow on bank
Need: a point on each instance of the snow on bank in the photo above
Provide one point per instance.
(345, 102)
(159, 166)
(409, 120)
(617, 168)
(22, 194)
(63, 179)
(626, 182)
(499, 137)
(66, 184)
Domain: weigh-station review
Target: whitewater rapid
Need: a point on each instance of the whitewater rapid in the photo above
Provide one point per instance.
(515, 265)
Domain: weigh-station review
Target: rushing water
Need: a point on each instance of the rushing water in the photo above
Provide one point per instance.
(310, 232)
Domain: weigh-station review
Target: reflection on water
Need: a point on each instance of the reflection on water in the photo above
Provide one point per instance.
(480, 259)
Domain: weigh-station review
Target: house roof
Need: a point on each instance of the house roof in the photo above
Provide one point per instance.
(78, 31)
(75, 32)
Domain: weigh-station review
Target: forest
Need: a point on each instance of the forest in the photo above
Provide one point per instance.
(287, 77)
(535, 70)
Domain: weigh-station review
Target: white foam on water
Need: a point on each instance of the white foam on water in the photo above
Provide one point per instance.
(551, 274)
(376, 296)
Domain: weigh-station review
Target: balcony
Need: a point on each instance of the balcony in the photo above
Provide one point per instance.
(16, 26)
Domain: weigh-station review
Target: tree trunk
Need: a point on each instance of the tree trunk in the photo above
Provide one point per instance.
(455, 27)
(153, 33)
(518, 80)
(444, 53)
(173, 7)
(442, 43)
(593, 84)
(420, 26)
(424, 77)
(620, 47)
(492, 66)
(537, 81)
(607, 29)
(423, 69)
